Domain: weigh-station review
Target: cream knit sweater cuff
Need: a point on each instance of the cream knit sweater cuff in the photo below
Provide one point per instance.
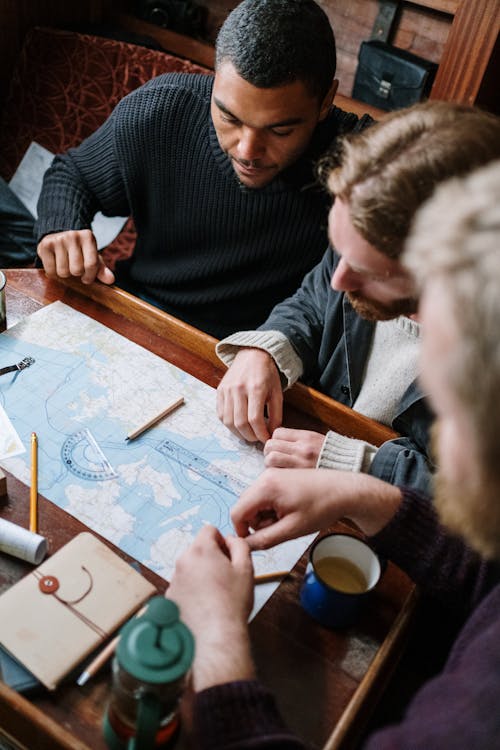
(274, 343)
(345, 453)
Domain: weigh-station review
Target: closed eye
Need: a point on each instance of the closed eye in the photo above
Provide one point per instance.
(229, 119)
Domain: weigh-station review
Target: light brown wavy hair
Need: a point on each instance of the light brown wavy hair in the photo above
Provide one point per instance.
(455, 240)
(389, 170)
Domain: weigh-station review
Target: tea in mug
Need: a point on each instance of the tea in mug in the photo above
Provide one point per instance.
(341, 574)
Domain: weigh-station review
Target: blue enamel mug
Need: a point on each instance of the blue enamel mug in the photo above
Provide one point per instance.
(341, 571)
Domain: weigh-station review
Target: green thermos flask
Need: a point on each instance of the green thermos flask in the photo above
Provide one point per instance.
(153, 656)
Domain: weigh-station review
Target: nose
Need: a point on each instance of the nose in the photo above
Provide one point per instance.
(250, 145)
(344, 279)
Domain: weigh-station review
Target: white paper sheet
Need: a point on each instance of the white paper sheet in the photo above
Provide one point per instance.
(27, 184)
(10, 442)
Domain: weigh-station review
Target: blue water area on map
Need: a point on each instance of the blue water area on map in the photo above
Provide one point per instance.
(149, 496)
(80, 444)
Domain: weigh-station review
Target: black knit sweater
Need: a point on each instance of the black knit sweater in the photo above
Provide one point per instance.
(208, 250)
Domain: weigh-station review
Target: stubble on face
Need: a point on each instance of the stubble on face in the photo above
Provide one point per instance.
(263, 131)
(378, 311)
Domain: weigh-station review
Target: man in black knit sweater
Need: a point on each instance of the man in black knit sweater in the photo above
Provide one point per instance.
(218, 174)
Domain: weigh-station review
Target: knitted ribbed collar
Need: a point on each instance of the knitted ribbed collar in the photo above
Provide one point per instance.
(408, 326)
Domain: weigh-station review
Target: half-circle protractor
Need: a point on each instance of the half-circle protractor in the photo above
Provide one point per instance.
(83, 457)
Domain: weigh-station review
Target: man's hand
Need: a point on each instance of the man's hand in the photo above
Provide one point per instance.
(293, 449)
(251, 384)
(286, 503)
(73, 253)
(213, 587)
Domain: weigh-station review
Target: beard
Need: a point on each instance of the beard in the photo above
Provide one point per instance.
(377, 311)
(468, 508)
(471, 512)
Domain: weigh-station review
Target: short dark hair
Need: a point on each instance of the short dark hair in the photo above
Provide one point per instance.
(275, 42)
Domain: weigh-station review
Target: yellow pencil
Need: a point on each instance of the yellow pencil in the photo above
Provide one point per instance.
(34, 484)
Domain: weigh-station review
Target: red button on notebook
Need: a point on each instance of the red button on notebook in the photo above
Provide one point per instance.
(48, 584)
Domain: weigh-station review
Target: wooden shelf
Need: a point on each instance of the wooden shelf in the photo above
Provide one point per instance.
(469, 54)
(443, 6)
(171, 41)
(467, 60)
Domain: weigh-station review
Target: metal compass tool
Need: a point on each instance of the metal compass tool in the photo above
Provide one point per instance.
(22, 365)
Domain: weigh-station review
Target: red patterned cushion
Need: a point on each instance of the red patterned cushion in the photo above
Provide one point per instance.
(65, 86)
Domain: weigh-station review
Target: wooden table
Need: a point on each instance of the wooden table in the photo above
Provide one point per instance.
(326, 683)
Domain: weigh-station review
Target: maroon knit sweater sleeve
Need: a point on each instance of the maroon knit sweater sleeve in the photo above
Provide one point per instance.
(240, 716)
(441, 563)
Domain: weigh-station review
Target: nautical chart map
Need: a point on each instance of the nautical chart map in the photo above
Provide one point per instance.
(88, 388)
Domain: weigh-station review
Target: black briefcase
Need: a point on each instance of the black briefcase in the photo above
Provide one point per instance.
(391, 78)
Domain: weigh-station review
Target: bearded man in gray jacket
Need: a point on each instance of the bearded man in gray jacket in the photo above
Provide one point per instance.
(350, 329)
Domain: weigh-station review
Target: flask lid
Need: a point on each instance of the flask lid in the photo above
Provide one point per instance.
(156, 647)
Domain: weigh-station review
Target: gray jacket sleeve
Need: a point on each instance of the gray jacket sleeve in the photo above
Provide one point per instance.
(400, 461)
(406, 460)
(301, 317)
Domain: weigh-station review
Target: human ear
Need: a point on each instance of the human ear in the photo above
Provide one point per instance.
(328, 100)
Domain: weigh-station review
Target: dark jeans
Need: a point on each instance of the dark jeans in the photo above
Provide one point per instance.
(17, 243)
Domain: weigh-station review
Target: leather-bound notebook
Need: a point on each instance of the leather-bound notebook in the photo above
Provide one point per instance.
(60, 612)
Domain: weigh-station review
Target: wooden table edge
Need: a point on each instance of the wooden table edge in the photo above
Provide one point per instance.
(45, 725)
(161, 323)
(376, 678)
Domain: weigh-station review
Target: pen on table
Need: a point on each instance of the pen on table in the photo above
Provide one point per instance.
(154, 420)
(108, 650)
(276, 575)
(103, 656)
(34, 484)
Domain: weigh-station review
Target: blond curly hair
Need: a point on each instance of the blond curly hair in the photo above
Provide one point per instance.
(455, 240)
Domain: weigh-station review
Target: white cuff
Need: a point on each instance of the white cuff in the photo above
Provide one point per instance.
(345, 453)
(275, 343)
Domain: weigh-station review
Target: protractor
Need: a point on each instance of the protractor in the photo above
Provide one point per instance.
(82, 455)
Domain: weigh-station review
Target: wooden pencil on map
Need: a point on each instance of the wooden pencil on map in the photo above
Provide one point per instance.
(108, 650)
(170, 408)
(275, 575)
